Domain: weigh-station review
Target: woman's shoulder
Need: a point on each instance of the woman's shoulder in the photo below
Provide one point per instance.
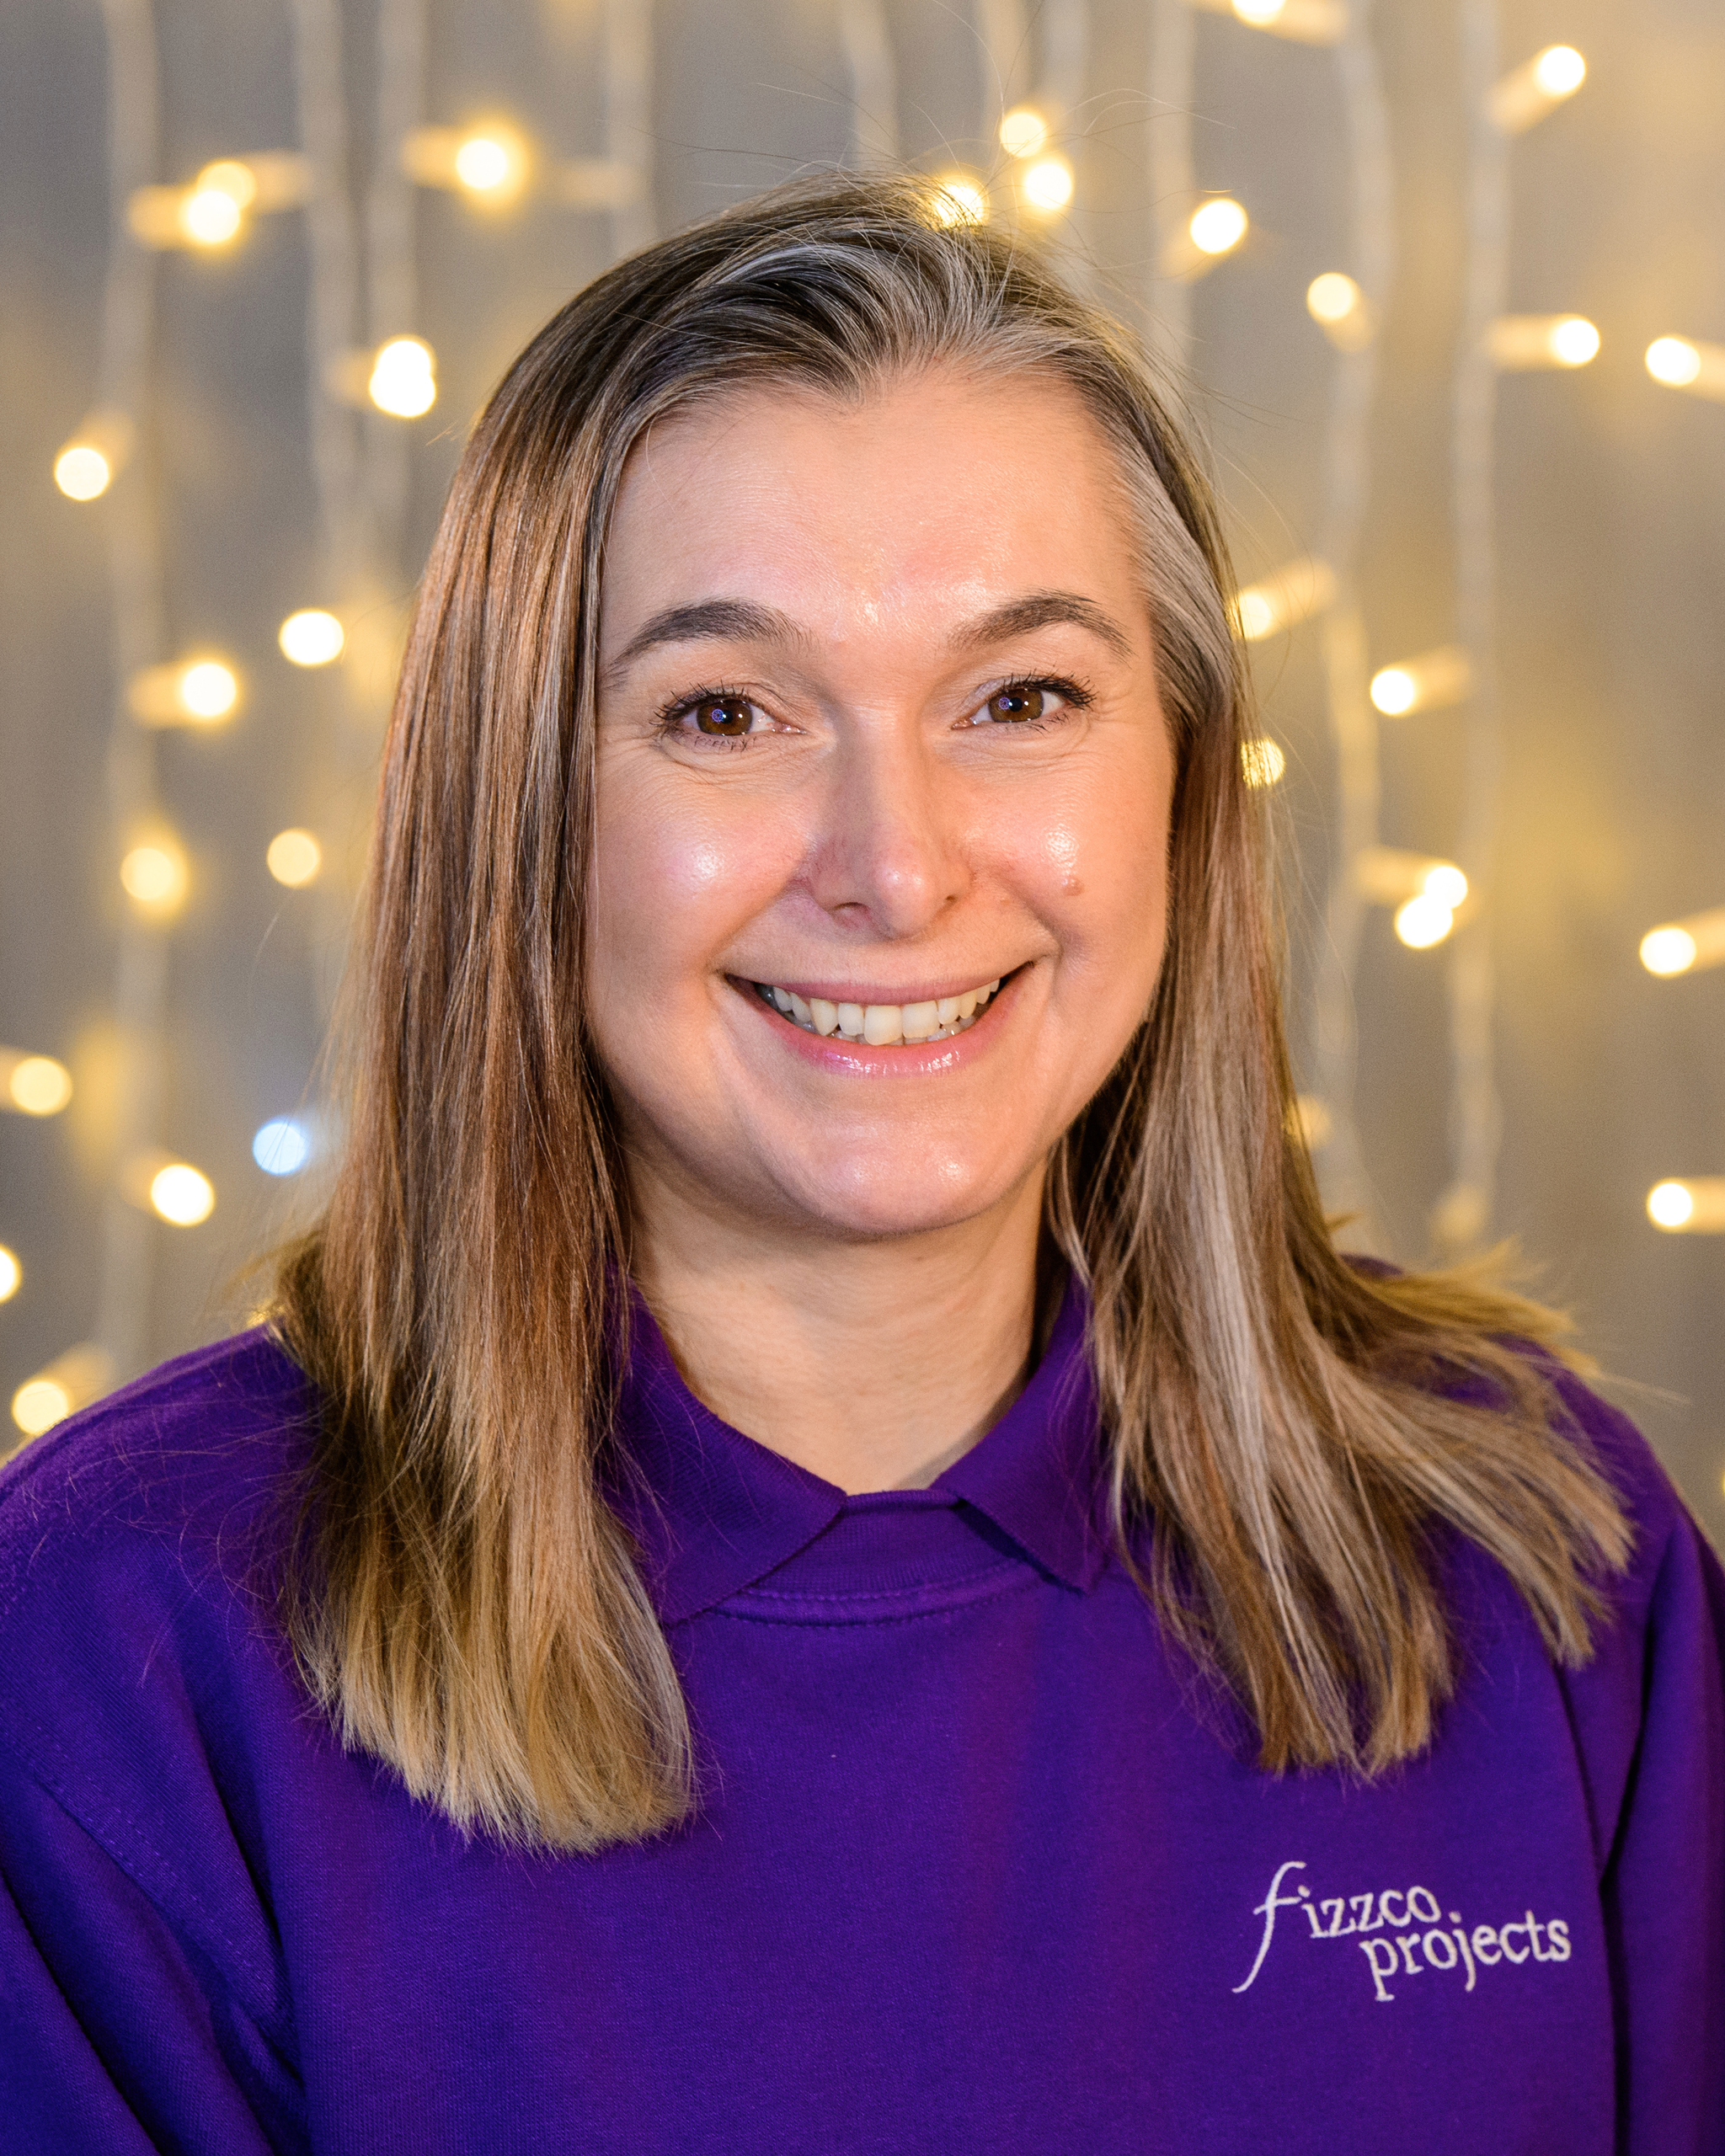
(153, 1517)
(192, 1455)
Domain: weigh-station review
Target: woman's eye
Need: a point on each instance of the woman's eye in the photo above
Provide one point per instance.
(1022, 704)
(729, 716)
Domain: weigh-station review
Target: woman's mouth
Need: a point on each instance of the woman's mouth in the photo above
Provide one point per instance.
(879, 1025)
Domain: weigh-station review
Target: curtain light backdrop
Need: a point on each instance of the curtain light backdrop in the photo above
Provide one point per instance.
(1442, 280)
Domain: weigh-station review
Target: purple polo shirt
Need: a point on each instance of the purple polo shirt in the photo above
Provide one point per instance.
(978, 1863)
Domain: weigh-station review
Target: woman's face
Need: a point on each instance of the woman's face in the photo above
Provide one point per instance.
(879, 887)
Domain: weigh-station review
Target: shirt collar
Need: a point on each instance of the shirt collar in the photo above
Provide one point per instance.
(713, 1511)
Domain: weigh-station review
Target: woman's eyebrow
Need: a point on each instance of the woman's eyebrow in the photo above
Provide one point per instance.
(1016, 618)
(737, 621)
(743, 620)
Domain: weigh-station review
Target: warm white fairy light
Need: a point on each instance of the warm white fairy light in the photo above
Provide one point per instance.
(1337, 305)
(181, 1194)
(1537, 87)
(311, 636)
(81, 472)
(491, 163)
(957, 198)
(1691, 1205)
(11, 1274)
(403, 380)
(70, 1381)
(1047, 184)
(1218, 226)
(1423, 920)
(1023, 132)
(200, 691)
(156, 876)
(294, 858)
(1518, 341)
(33, 1085)
(1691, 945)
(1681, 363)
(1426, 683)
(1263, 761)
(1291, 594)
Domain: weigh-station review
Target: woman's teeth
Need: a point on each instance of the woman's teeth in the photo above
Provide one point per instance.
(881, 1025)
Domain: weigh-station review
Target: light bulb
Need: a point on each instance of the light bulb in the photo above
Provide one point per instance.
(957, 199)
(404, 381)
(82, 472)
(294, 858)
(1423, 920)
(11, 1274)
(181, 1195)
(1674, 360)
(208, 690)
(282, 1147)
(1047, 184)
(1670, 1204)
(1023, 132)
(1560, 70)
(310, 637)
(1393, 690)
(1668, 951)
(39, 1404)
(155, 876)
(1263, 761)
(482, 164)
(39, 1085)
(209, 216)
(1574, 341)
(1219, 227)
(1331, 297)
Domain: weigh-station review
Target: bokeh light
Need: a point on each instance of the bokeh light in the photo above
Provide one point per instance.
(1668, 951)
(280, 1147)
(39, 1085)
(1674, 360)
(403, 380)
(1218, 226)
(294, 858)
(81, 472)
(1023, 132)
(1047, 184)
(182, 1195)
(11, 1274)
(310, 637)
(957, 198)
(155, 876)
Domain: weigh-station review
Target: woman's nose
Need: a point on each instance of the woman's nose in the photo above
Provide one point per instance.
(888, 855)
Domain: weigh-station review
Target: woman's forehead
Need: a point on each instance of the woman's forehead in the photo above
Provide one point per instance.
(939, 492)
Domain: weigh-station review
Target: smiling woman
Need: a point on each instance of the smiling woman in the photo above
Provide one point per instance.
(822, 1551)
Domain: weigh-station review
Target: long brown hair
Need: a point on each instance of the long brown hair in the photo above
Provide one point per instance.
(1284, 1431)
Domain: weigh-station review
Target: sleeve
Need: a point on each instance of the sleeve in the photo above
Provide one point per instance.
(115, 2040)
(1663, 1887)
(1648, 1712)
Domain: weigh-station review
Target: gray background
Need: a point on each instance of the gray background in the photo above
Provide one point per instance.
(1611, 522)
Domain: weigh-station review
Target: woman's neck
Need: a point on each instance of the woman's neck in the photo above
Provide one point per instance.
(874, 1364)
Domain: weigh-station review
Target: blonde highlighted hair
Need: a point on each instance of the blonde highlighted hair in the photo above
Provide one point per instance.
(1285, 1433)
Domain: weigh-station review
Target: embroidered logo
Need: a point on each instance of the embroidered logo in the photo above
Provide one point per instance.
(1412, 1937)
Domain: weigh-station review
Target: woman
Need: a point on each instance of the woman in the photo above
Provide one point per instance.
(821, 1554)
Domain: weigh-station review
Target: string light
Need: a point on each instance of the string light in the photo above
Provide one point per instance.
(86, 465)
(1023, 132)
(70, 1382)
(1516, 342)
(1263, 761)
(1682, 363)
(1427, 683)
(33, 1085)
(1291, 594)
(491, 163)
(1337, 305)
(1689, 1205)
(1047, 184)
(1423, 920)
(282, 1147)
(193, 691)
(1426, 893)
(403, 380)
(957, 198)
(310, 637)
(11, 1274)
(156, 876)
(1218, 226)
(174, 1191)
(1307, 22)
(294, 858)
(1536, 87)
(1687, 946)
